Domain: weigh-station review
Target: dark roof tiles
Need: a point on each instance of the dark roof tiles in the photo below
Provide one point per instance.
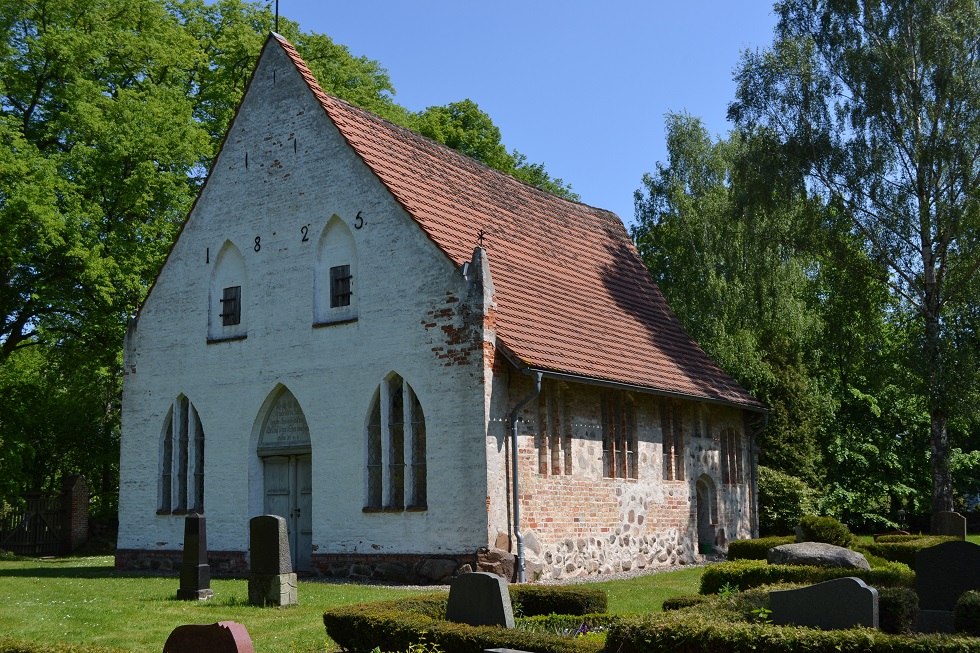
(572, 294)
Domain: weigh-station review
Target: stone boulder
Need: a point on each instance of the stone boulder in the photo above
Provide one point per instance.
(818, 554)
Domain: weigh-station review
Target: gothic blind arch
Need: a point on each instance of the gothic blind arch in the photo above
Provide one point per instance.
(396, 448)
(227, 295)
(731, 456)
(335, 274)
(181, 480)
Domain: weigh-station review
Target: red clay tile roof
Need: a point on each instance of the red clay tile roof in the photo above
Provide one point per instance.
(573, 296)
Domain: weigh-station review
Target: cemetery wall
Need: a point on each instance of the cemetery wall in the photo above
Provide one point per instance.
(283, 172)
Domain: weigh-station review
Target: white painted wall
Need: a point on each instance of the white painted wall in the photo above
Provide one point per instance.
(300, 172)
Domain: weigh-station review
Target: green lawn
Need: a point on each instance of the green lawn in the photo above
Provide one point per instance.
(85, 601)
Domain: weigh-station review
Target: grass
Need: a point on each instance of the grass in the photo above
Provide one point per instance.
(85, 601)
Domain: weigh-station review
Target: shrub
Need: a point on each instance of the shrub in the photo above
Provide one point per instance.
(756, 549)
(709, 630)
(783, 501)
(824, 529)
(902, 548)
(898, 608)
(746, 574)
(397, 625)
(966, 613)
(552, 599)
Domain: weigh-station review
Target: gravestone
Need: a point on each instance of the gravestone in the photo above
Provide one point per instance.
(949, 523)
(195, 574)
(480, 599)
(222, 637)
(271, 580)
(942, 573)
(832, 605)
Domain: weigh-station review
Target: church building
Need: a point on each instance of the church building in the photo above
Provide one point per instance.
(422, 364)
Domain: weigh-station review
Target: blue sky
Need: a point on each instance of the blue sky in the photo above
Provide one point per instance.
(579, 85)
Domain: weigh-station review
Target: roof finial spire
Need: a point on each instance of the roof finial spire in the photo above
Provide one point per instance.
(480, 236)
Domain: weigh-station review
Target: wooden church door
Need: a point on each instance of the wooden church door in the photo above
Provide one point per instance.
(289, 494)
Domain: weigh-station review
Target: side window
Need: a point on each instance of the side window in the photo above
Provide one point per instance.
(618, 435)
(227, 294)
(181, 483)
(731, 456)
(231, 306)
(673, 441)
(396, 459)
(335, 275)
(554, 430)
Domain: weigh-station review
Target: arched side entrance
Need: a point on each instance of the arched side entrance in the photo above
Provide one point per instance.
(287, 472)
(707, 513)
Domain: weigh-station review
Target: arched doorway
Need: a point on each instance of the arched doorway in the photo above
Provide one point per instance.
(287, 472)
(707, 513)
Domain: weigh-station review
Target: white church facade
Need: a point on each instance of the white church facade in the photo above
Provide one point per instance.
(354, 328)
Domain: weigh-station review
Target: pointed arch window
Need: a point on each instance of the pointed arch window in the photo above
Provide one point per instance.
(335, 275)
(181, 485)
(396, 443)
(226, 308)
(731, 456)
(618, 435)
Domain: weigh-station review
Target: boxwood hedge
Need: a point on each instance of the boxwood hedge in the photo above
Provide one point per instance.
(745, 574)
(902, 548)
(396, 625)
(758, 548)
(715, 628)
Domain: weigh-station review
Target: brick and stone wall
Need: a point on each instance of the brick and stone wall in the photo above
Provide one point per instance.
(577, 521)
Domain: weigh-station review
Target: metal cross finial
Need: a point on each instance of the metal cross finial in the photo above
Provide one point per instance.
(480, 235)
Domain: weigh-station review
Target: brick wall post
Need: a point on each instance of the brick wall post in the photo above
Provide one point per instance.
(74, 505)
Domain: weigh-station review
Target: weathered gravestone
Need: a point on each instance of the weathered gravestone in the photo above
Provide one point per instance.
(480, 599)
(949, 523)
(222, 637)
(832, 605)
(271, 580)
(195, 574)
(942, 573)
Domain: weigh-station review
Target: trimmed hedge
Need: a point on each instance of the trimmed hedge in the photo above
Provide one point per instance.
(553, 599)
(396, 625)
(756, 549)
(966, 613)
(746, 574)
(824, 529)
(704, 630)
(902, 548)
(898, 608)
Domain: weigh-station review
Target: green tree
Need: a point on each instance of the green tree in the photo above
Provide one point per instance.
(736, 268)
(878, 105)
(466, 128)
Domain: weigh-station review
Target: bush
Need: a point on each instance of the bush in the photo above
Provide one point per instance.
(898, 608)
(902, 548)
(756, 549)
(709, 630)
(783, 501)
(824, 529)
(966, 613)
(746, 574)
(552, 599)
(397, 625)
